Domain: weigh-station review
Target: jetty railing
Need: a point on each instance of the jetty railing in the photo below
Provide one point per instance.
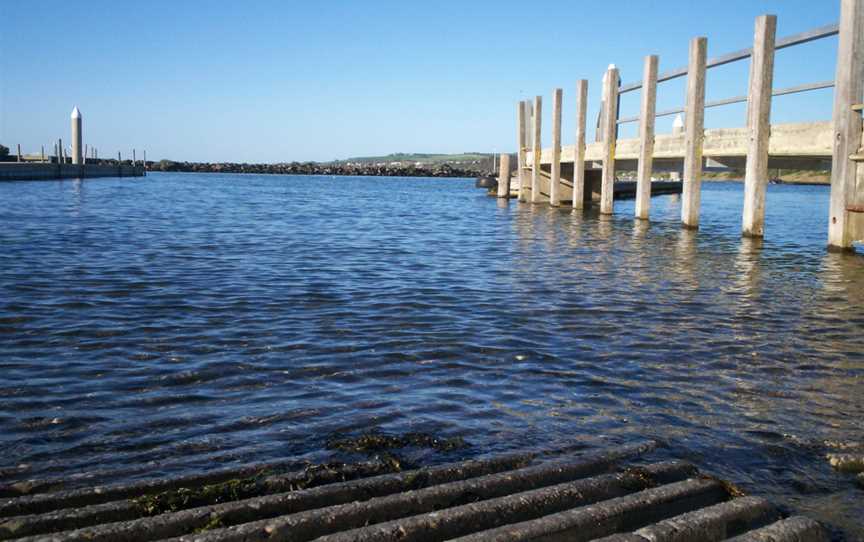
(838, 140)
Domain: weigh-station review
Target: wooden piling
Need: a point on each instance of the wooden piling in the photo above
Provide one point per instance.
(610, 120)
(759, 126)
(504, 176)
(646, 137)
(524, 177)
(555, 177)
(43, 153)
(537, 151)
(848, 91)
(579, 158)
(19, 152)
(520, 144)
(694, 132)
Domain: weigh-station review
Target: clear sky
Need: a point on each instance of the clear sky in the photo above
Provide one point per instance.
(281, 80)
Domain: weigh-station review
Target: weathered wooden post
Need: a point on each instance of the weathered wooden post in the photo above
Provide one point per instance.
(520, 150)
(758, 126)
(610, 125)
(579, 151)
(525, 193)
(19, 152)
(85, 153)
(504, 176)
(555, 177)
(694, 133)
(538, 151)
(43, 153)
(134, 158)
(76, 136)
(60, 158)
(646, 137)
(846, 225)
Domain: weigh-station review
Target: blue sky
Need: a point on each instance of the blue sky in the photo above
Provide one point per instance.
(272, 81)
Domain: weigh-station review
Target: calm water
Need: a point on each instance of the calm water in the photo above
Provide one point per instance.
(163, 325)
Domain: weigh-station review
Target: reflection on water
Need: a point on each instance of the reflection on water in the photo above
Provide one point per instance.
(164, 324)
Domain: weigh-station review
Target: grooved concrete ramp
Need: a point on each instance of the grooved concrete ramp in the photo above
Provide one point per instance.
(613, 495)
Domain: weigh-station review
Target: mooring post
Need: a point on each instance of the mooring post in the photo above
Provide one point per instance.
(848, 91)
(19, 152)
(529, 135)
(134, 158)
(610, 123)
(76, 136)
(85, 153)
(555, 177)
(579, 151)
(520, 147)
(538, 151)
(504, 176)
(144, 164)
(646, 137)
(758, 126)
(43, 153)
(694, 133)
(60, 157)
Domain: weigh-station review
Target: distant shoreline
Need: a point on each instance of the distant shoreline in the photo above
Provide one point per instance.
(310, 168)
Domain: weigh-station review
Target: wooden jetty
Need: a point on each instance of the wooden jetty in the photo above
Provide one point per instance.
(580, 173)
(610, 495)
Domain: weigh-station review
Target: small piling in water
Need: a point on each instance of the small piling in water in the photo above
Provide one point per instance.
(646, 137)
(537, 150)
(504, 177)
(759, 126)
(609, 130)
(579, 150)
(555, 177)
(694, 133)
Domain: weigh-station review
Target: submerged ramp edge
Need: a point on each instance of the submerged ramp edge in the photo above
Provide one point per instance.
(614, 494)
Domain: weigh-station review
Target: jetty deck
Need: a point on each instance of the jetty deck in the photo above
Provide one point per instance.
(618, 495)
(582, 172)
(28, 171)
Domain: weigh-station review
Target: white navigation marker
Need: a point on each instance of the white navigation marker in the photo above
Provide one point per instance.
(77, 157)
(678, 125)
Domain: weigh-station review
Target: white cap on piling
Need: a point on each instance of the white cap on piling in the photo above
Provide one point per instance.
(75, 113)
(611, 67)
(678, 122)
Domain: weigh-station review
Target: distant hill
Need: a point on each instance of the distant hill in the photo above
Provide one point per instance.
(422, 159)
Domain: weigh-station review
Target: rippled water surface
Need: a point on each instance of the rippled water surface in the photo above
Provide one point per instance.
(167, 324)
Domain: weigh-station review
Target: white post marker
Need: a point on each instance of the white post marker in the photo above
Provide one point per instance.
(678, 125)
(77, 156)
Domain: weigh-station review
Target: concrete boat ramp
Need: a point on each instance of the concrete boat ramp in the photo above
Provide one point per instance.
(618, 494)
